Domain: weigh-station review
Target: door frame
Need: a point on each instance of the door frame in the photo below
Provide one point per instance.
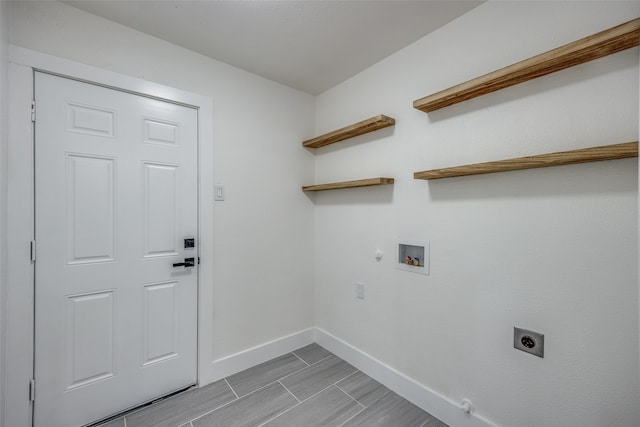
(18, 371)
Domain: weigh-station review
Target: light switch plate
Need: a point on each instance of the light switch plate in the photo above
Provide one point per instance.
(218, 194)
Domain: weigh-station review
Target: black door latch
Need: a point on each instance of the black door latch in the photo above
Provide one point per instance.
(188, 262)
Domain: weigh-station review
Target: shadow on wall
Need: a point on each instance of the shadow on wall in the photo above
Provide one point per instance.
(356, 140)
(549, 83)
(349, 196)
(606, 177)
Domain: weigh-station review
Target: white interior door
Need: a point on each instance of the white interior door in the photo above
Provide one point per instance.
(116, 197)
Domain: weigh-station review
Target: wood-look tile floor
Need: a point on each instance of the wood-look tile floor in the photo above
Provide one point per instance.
(307, 387)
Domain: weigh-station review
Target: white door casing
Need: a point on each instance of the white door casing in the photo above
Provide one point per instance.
(17, 370)
(116, 195)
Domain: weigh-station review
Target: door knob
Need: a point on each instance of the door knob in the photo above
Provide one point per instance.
(188, 262)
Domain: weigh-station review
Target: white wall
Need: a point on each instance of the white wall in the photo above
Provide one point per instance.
(263, 255)
(553, 250)
(4, 88)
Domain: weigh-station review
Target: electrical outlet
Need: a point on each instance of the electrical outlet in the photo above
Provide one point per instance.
(360, 290)
(528, 341)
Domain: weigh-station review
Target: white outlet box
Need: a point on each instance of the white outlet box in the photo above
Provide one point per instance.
(360, 290)
(528, 341)
(413, 256)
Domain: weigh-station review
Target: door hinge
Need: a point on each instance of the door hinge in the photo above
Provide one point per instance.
(33, 111)
(33, 250)
(32, 390)
(198, 260)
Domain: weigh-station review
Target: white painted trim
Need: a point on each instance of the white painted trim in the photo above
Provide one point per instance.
(261, 353)
(429, 400)
(441, 407)
(19, 331)
(18, 367)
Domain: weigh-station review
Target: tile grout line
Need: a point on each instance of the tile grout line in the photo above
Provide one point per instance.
(295, 372)
(302, 369)
(277, 379)
(325, 358)
(146, 406)
(354, 399)
(383, 395)
(189, 423)
(301, 402)
(352, 374)
(234, 392)
(285, 387)
(429, 417)
(425, 421)
(352, 417)
(365, 407)
(344, 378)
(281, 413)
(235, 400)
(286, 410)
(317, 393)
(303, 361)
(142, 407)
(273, 382)
(351, 397)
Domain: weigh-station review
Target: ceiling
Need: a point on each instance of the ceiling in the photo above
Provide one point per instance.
(310, 45)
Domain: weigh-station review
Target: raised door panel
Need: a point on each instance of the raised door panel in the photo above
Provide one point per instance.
(90, 340)
(160, 313)
(160, 132)
(90, 120)
(159, 193)
(90, 209)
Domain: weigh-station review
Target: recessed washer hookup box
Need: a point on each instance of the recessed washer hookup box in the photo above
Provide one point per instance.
(413, 256)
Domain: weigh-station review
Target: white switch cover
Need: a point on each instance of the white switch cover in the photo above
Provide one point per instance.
(360, 290)
(219, 192)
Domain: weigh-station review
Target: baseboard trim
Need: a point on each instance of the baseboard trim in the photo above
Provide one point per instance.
(245, 359)
(445, 409)
(434, 403)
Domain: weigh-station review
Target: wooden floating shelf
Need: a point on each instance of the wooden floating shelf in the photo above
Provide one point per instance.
(594, 154)
(601, 44)
(349, 184)
(369, 125)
